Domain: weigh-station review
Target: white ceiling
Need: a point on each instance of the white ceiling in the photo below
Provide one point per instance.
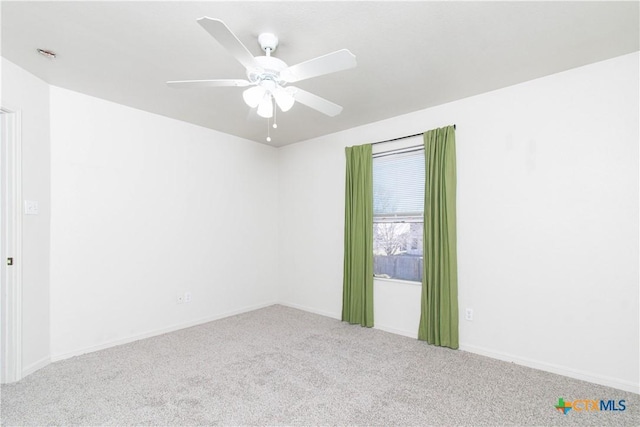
(411, 55)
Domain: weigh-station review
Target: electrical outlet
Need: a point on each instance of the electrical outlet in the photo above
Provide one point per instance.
(468, 314)
(187, 297)
(180, 299)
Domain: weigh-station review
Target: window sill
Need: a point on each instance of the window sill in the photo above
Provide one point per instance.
(404, 282)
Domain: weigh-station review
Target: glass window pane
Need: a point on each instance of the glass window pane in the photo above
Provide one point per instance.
(397, 250)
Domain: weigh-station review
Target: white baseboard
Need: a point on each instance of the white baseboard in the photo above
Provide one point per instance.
(338, 316)
(312, 310)
(30, 369)
(132, 338)
(410, 334)
(555, 369)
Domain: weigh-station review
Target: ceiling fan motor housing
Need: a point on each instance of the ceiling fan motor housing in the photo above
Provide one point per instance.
(270, 68)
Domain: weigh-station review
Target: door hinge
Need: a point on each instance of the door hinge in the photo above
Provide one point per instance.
(9, 261)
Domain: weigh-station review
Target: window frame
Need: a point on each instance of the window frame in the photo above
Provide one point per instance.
(399, 148)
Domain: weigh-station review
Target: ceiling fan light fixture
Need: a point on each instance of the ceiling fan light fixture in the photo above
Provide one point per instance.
(265, 108)
(253, 96)
(284, 98)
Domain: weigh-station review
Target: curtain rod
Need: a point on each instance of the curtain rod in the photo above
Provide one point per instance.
(402, 137)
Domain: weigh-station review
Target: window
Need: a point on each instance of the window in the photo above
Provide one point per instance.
(398, 204)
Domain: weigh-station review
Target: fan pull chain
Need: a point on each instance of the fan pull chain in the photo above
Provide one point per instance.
(268, 130)
(275, 113)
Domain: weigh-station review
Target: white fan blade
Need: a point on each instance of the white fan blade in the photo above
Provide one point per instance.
(329, 63)
(316, 102)
(186, 84)
(228, 40)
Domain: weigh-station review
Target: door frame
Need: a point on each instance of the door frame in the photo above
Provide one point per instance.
(11, 244)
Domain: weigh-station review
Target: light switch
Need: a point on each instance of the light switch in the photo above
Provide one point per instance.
(30, 207)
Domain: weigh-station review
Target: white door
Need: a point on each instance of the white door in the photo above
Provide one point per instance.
(10, 225)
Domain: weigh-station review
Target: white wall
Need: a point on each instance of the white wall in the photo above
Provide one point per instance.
(22, 92)
(547, 222)
(145, 208)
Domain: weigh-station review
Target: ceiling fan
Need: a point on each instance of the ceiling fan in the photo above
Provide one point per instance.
(268, 76)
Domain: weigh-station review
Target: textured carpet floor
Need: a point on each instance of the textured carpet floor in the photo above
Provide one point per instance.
(281, 366)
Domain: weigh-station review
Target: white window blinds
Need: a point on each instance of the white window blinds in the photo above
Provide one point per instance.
(398, 185)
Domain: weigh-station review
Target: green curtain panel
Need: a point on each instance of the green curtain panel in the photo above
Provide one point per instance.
(357, 294)
(439, 312)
